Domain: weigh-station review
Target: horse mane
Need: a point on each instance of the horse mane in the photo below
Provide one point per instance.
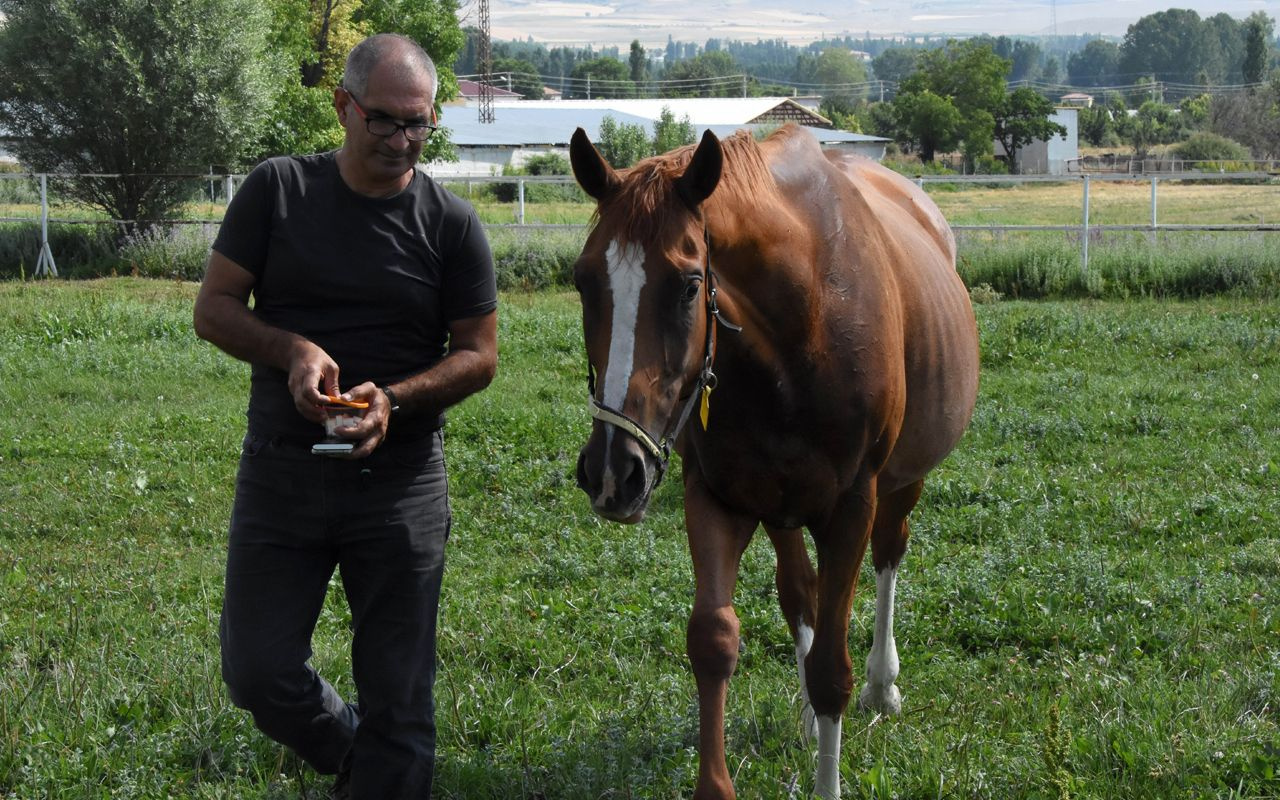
(645, 202)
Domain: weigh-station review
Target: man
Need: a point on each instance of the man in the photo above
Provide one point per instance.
(371, 282)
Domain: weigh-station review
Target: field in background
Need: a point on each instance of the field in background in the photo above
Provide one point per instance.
(1089, 603)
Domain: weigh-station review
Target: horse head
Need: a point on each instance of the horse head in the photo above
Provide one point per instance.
(647, 302)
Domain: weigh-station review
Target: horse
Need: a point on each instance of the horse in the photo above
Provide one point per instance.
(791, 321)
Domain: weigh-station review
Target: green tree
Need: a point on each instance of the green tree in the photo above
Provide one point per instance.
(668, 133)
(639, 64)
(1094, 65)
(972, 77)
(142, 89)
(520, 76)
(601, 77)
(843, 78)
(894, 64)
(622, 144)
(1251, 118)
(1023, 118)
(703, 76)
(1258, 32)
(1155, 123)
(1171, 46)
(927, 122)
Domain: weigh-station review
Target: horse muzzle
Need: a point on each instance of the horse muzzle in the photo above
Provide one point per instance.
(618, 474)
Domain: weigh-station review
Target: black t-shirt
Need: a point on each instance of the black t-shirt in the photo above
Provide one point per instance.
(372, 281)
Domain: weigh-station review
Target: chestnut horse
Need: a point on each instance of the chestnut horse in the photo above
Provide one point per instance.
(801, 312)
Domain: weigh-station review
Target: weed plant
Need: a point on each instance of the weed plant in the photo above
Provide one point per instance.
(1088, 606)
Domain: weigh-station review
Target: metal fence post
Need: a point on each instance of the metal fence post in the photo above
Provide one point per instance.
(45, 264)
(1084, 230)
(1154, 181)
(520, 212)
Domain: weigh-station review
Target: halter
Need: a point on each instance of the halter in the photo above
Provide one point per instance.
(661, 448)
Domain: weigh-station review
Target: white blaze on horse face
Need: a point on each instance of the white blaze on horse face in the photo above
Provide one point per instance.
(625, 266)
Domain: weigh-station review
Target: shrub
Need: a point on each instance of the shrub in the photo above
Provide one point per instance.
(1206, 146)
(543, 261)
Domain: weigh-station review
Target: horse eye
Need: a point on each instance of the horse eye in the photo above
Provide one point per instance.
(691, 289)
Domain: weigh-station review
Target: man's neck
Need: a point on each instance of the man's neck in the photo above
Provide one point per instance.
(361, 183)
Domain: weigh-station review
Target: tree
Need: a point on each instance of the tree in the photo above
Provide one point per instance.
(1094, 65)
(668, 134)
(972, 77)
(144, 89)
(1251, 118)
(622, 144)
(1169, 45)
(894, 64)
(1258, 31)
(639, 64)
(520, 76)
(601, 77)
(843, 78)
(703, 76)
(1021, 119)
(927, 122)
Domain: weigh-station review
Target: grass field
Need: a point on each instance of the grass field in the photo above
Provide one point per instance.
(1089, 607)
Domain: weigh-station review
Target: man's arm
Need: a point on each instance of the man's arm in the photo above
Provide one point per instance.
(468, 367)
(222, 317)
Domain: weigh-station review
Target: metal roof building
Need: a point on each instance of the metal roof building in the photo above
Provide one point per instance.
(530, 128)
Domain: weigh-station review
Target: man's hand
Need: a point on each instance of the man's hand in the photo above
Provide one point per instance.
(312, 375)
(371, 431)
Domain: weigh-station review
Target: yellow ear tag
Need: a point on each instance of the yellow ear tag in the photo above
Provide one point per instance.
(705, 410)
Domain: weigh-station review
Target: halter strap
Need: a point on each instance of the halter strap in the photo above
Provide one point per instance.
(661, 448)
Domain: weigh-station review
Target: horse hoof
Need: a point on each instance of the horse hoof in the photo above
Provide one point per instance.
(885, 700)
(809, 723)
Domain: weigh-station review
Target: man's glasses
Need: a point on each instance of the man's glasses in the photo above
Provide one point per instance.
(387, 127)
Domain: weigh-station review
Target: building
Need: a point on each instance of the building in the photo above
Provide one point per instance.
(1051, 157)
(469, 92)
(1076, 100)
(531, 128)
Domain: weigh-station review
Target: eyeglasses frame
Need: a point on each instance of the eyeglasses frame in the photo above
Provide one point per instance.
(430, 127)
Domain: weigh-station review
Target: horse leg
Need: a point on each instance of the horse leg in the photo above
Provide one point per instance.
(717, 538)
(888, 544)
(797, 590)
(841, 544)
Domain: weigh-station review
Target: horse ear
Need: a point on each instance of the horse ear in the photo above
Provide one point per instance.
(700, 179)
(596, 177)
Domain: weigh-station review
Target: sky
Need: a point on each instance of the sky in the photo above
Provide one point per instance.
(602, 23)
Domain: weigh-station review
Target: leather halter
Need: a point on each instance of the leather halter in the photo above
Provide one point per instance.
(661, 448)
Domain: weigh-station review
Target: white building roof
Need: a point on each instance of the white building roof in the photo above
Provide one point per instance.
(699, 110)
(531, 123)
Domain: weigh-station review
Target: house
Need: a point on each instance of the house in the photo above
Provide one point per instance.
(532, 128)
(1076, 100)
(1049, 157)
(469, 91)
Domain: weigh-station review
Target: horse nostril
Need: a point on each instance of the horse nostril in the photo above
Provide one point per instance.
(634, 479)
(584, 483)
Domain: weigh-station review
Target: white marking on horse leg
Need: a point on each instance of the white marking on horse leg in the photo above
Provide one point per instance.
(878, 693)
(625, 266)
(827, 785)
(804, 640)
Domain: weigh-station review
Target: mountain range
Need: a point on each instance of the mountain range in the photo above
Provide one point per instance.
(602, 23)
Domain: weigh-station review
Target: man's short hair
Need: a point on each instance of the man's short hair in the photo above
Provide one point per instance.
(369, 53)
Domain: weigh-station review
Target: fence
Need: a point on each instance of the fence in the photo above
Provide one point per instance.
(216, 189)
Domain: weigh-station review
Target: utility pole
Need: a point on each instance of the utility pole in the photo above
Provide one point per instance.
(486, 66)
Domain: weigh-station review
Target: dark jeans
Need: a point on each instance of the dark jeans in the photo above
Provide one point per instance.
(383, 521)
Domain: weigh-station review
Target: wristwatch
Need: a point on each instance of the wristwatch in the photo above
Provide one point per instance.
(391, 398)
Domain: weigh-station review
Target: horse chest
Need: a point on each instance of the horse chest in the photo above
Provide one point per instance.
(784, 457)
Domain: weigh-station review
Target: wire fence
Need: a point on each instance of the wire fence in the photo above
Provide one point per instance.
(44, 199)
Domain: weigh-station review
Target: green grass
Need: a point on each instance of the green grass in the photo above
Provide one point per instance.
(1089, 603)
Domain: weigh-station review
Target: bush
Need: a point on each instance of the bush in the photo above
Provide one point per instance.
(179, 252)
(541, 261)
(1206, 146)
